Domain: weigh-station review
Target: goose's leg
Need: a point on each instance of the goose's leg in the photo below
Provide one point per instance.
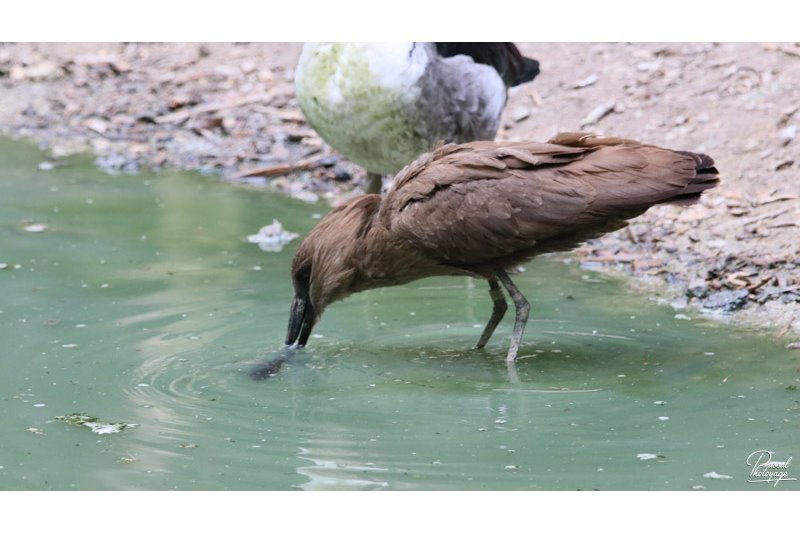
(522, 307)
(374, 183)
(498, 311)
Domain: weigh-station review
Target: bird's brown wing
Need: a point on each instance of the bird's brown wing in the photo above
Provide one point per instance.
(493, 205)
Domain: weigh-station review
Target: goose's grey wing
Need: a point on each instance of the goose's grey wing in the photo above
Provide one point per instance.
(460, 100)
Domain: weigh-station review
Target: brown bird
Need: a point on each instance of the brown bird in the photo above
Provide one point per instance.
(481, 208)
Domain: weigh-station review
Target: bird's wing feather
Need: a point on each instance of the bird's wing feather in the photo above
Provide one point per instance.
(460, 100)
(482, 202)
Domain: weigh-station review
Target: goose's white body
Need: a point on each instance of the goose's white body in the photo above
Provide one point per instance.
(383, 104)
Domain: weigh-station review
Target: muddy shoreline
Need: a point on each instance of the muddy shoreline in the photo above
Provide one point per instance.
(229, 109)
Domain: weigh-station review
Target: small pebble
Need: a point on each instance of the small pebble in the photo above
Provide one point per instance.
(587, 81)
(787, 134)
(35, 228)
(519, 114)
(715, 475)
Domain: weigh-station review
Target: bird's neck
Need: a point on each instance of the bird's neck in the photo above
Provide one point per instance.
(382, 259)
(376, 258)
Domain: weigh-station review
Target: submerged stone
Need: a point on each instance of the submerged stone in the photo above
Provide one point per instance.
(726, 301)
(101, 428)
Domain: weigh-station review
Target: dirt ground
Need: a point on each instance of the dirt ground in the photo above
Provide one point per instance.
(229, 109)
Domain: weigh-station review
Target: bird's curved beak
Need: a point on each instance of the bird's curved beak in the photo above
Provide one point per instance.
(301, 320)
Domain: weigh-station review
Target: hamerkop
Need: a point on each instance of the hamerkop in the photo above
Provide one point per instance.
(383, 104)
(481, 208)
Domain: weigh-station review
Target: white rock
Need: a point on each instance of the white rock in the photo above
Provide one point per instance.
(272, 238)
(715, 475)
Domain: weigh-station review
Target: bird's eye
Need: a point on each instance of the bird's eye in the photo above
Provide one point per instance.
(304, 276)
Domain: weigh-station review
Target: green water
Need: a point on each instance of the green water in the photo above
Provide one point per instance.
(143, 303)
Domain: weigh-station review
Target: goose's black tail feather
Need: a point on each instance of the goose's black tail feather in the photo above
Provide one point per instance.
(506, 59)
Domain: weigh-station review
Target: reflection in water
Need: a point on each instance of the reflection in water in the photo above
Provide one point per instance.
(178, 321)
(326, 474)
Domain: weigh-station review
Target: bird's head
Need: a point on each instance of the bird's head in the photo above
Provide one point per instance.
(325, 266)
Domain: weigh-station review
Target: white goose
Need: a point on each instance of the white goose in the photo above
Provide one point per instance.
(383, 104)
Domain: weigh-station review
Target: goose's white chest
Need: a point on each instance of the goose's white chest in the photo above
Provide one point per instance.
(361, 98)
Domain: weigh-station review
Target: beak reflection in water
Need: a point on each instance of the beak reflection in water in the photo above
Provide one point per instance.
(301, 321)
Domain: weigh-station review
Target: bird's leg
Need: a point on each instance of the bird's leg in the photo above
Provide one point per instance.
(498, 311)
(522, 307)
(511, 372)
(374, 183)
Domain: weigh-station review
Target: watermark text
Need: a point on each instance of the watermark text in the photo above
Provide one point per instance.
(766, 470)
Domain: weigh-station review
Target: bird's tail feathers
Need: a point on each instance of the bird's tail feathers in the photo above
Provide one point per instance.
(706, 177)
